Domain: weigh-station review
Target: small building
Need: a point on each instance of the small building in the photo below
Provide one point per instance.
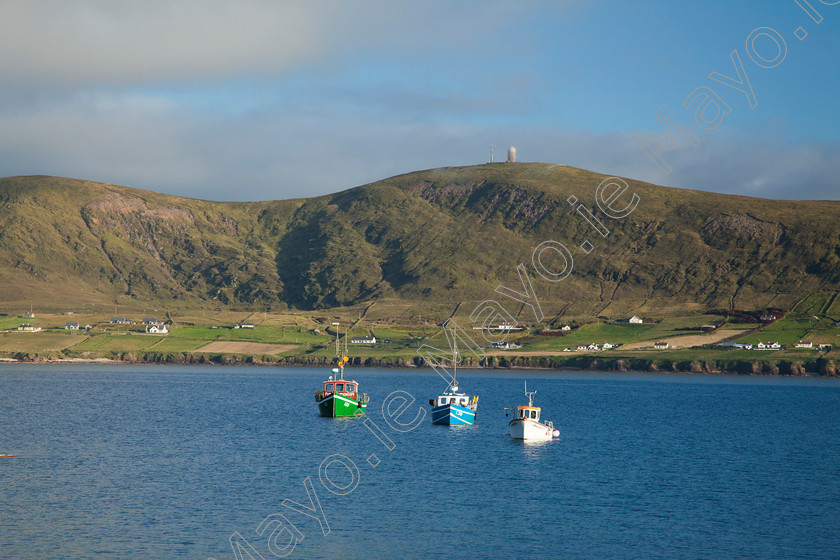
(499, 327)
(608, 346)
(29, 328)
(661, 345)
(634, 320)
(825, 347)
(121, 321)
(565, 328)
(363, 340)
(506, 345)
(156, 329)
(28, 315)
(581, 347)
(708, 327)
(246, 325)
(71, 326)
(152, 321)
(803, 344)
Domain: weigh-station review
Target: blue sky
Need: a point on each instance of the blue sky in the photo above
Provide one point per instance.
(266, 99)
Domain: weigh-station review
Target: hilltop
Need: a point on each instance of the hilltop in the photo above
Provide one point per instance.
(430, 239)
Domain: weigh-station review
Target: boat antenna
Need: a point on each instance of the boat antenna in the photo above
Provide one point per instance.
(529, 395)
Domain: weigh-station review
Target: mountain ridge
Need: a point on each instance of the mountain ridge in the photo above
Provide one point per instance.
(438, 236)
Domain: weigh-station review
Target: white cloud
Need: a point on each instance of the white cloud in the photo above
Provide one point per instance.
(79, 43)
(117, 42)
(129, 138)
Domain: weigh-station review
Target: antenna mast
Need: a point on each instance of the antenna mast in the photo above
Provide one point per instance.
(492, 152)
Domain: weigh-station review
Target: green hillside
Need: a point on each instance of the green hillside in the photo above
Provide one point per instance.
(430, 239)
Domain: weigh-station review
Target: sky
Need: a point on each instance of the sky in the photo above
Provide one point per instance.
(273, 99)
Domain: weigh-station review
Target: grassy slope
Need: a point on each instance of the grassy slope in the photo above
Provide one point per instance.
(417, 243)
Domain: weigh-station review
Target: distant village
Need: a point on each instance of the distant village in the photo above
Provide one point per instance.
(155, 326)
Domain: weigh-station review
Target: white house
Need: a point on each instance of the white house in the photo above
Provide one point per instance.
(803, 344)
(157, 329)
(363, 340)
(566, 328)
(29, 328)
(71, 326)
(499, 327)
(607, 346)
(506, 345)
(635, 320)
(661, 345)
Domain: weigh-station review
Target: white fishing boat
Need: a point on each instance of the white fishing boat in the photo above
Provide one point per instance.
(526, 422)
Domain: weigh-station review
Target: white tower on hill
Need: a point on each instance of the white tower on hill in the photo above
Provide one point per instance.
(511, 155)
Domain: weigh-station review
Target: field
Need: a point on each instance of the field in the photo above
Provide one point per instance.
(298, 337)
(245, 348)
(689, 341)
(41, 342)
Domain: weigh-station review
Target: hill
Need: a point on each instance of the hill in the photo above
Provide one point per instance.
(429, 238)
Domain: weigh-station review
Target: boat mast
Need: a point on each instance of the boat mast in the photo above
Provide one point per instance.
(529, 395)
(338, 353)
(454, 383)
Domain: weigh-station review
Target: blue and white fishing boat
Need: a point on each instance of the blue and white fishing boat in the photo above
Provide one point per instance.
(452, 407)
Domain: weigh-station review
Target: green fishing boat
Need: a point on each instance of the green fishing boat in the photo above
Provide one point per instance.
(339, 396)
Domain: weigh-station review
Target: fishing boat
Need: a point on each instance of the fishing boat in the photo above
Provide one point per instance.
(453, 407)
(340, 397)
(526, 422)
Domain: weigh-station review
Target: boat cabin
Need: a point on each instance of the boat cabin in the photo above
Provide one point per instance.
(341, 386)
(532, 412)
(460, 400)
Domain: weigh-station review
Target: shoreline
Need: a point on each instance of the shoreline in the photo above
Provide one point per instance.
(595, 365)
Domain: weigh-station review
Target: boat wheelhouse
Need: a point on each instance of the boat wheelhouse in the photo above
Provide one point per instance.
(453, 408)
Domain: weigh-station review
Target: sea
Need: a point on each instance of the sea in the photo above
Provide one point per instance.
(146, 462)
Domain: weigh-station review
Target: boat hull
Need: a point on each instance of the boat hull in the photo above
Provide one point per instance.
(453, 415)
(529, 429)
(336, 406)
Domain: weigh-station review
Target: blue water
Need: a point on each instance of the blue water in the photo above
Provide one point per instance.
(171, 462)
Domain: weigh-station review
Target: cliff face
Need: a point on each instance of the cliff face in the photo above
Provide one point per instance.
(439, 236)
